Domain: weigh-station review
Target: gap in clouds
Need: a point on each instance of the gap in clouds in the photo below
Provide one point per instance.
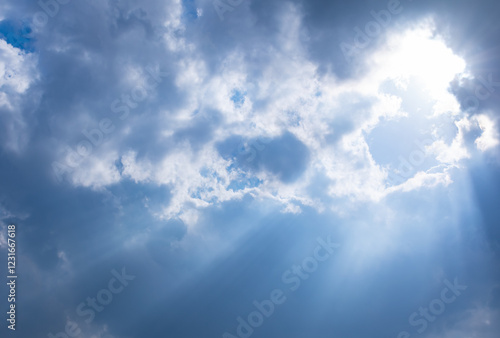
(260, 139)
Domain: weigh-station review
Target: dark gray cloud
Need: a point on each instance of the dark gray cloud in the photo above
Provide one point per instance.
(194, 278)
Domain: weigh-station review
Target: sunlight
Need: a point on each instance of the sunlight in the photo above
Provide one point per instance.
(419, 55)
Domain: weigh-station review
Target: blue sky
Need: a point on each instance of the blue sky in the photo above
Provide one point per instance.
(248, 168)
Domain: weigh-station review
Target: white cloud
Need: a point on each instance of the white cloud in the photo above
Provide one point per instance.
(423, 180)
(489, 137)
(17, 73)
(3, 237)
(476, 322)
(97, 171)
(283, 92)
(17, 68)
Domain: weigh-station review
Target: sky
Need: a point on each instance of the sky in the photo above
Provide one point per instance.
(250, 168)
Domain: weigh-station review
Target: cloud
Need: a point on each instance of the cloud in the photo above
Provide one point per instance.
(18, 72)
(205, 153)
(301, 115)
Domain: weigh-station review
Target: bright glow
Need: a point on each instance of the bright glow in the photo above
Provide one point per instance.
(489, 138)
(418, 55)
